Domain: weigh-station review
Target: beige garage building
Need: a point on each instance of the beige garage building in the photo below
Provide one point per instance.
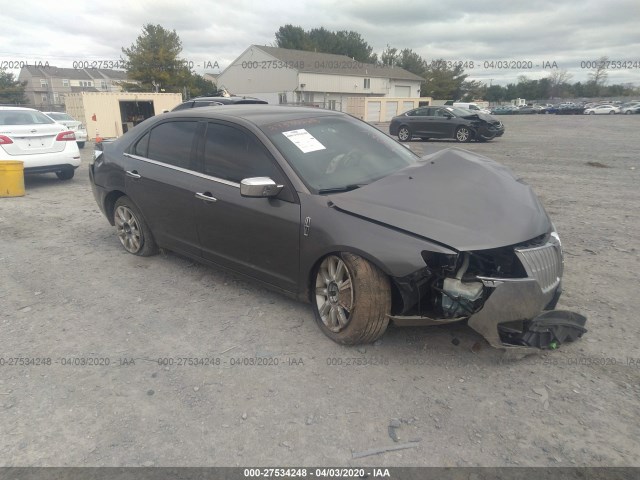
(111, 114)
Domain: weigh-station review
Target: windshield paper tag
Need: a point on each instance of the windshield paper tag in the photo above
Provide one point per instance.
(304, 140)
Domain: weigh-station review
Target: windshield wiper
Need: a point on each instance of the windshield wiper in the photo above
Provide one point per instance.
(346, 188)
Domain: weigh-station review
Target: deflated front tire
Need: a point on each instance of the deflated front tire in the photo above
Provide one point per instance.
(352, 299)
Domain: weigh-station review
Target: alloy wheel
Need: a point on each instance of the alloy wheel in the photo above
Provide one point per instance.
(334, 293)
(128, 229)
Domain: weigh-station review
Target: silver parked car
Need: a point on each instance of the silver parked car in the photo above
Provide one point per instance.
(72, 124)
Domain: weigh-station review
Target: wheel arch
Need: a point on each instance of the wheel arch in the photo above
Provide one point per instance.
(337, 250)
(110, 202)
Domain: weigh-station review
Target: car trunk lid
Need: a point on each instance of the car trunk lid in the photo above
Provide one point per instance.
(33, 139)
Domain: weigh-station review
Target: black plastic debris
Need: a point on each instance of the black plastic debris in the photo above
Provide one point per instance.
(547, 331)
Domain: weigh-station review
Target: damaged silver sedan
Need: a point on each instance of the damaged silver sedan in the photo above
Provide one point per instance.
(326, 208)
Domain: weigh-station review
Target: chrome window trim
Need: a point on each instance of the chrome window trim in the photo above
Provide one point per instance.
(184, 170)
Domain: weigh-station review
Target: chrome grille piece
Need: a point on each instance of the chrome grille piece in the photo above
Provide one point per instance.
(544, 264)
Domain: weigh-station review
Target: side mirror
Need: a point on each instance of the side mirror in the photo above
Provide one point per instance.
(259, 187)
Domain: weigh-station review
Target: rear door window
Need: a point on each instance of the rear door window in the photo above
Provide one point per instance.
(172, 143)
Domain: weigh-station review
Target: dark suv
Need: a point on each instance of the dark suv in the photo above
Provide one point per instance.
(212, 101)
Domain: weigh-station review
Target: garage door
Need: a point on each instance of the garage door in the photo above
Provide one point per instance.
(392, 110)
(403, 91)
(406, 106)
(373, 111)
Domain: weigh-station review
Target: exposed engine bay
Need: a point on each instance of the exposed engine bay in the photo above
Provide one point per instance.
(458, 287)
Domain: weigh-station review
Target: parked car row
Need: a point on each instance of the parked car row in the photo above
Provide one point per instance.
(569, 108)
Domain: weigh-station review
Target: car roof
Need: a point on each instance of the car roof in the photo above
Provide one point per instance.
(19, 108)
(259, 115)
(226, 100)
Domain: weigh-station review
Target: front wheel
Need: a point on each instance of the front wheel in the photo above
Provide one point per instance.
(352, 299)
(612, 112)
(404, 134)
(131, 228)
(463, 134)
(592, 113)
(628, 112)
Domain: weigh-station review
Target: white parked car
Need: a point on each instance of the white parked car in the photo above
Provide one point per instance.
(602, 110)
(72, 124)
(29, 136)
(474, 107)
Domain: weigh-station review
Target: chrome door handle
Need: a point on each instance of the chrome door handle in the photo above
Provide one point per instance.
(206, 196)
(133, 174)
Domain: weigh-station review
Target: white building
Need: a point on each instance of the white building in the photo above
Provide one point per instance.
(283, 76)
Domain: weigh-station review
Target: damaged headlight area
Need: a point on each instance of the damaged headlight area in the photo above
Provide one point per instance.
(506, 294)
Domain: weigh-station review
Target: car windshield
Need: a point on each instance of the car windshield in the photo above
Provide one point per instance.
(336, 153)
(23, 117)
(61, 116)
(459, 112)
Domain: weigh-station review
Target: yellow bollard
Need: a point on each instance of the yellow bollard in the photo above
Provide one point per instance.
(11, 178)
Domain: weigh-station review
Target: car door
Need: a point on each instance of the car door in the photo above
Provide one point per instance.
(259, 237)
(159, 173)
(444, 122)
(421, 122)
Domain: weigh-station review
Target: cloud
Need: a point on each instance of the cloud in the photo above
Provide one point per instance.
(566, 32)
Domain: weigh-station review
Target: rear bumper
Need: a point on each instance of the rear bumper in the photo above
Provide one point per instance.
(48, 162)
(81, 135)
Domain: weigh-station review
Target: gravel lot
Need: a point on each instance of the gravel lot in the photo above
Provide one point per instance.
(69, 292)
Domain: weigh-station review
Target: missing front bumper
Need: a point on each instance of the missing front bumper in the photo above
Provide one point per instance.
(510, 302)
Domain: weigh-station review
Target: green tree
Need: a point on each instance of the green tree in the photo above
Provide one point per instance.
(153, 61)
(200, 86)
(473, 90)
(389, 56)
(343, 42)
(294, 38)
(443, 81)
(11, 90)
(412, 62)
(495, 93)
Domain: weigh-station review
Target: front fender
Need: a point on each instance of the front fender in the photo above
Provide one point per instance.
(395, 252)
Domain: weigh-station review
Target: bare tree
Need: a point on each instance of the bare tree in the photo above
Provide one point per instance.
(557, 80)
(598, 77)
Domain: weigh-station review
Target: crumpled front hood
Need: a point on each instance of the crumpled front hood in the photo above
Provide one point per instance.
(482, 116)
(455, 197)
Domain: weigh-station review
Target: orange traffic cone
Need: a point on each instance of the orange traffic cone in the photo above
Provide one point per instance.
(98, 137)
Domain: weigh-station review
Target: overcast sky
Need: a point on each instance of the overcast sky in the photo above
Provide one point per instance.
(536, 31)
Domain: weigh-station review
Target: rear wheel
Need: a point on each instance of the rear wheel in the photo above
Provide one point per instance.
(352, 299)
(463, 134)
(404, 134)
(132, 230)
(66, 174)
(80, 144)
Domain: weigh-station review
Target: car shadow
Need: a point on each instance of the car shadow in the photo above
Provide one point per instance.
(39, 180)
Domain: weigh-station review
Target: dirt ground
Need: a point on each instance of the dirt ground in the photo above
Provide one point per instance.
(273, 389)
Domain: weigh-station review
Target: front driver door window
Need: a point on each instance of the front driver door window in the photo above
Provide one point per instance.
(256, 236)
